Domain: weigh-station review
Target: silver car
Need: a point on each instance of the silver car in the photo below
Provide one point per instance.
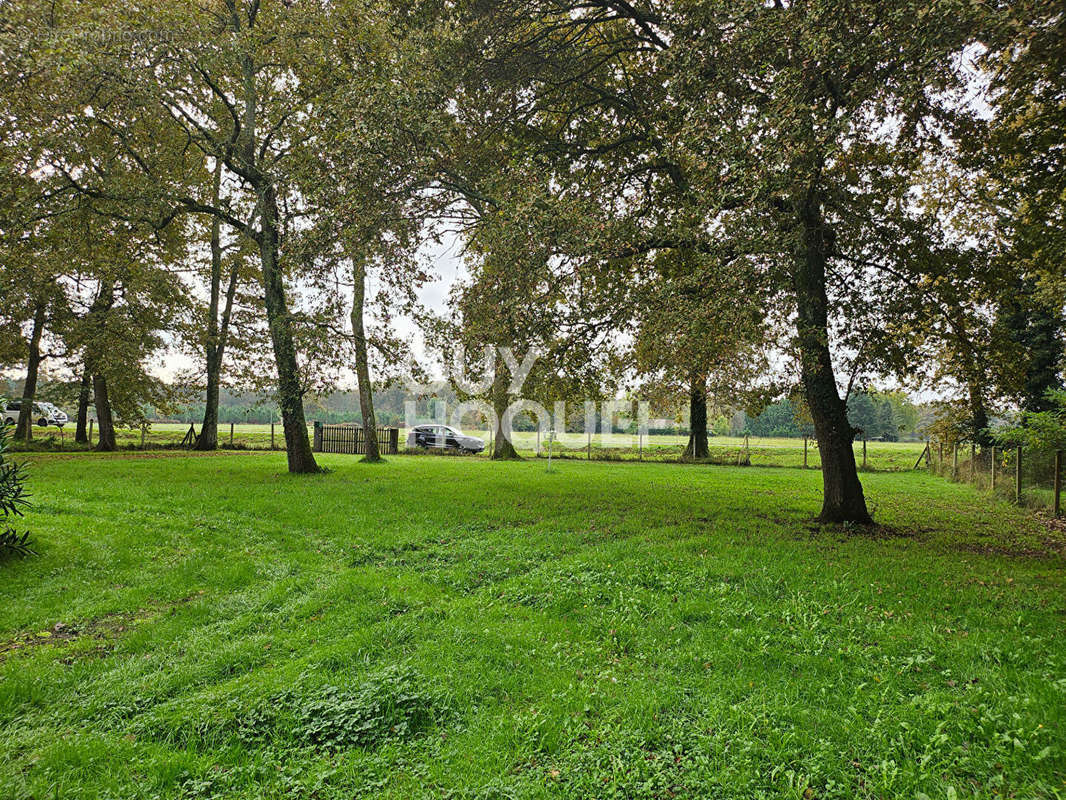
(59, 416)
(443, 437)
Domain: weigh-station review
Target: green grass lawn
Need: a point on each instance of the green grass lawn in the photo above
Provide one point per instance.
(209, 626)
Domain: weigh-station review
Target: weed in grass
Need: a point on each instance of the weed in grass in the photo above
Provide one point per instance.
(385, 706)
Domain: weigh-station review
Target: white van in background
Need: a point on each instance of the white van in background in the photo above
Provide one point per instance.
(44, 414)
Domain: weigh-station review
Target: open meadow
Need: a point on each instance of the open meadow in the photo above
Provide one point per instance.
(212, 627)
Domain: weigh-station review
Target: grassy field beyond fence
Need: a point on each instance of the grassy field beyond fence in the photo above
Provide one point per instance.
(245, 436)
(758, 451)
(755, 451)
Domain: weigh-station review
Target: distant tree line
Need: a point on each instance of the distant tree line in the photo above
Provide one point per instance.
(878, 415)
(889, 416)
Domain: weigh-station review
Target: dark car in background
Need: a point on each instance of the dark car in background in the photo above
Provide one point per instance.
(443, 437)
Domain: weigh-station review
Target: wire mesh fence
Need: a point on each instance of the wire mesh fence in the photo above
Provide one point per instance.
(1029, 476)
(758, 451)
(161, 436)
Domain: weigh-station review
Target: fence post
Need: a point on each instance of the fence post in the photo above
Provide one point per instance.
(317, 441)
(1018, 476)
(928, 452)
(805, 452)
(1058, 482)
(640, 447)
(973, 463)
(993, 468)
(231, 434)
(864, 452)
(91, 432)
(955, 462)
(940, 458)
(144, 430)
(271, 435)
(590, 445)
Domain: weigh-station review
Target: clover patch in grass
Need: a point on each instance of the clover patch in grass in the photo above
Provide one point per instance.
(390, 705)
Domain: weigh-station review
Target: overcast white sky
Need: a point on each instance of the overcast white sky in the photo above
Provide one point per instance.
(446, 263)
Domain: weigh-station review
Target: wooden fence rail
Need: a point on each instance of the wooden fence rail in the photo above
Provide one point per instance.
(351, 439)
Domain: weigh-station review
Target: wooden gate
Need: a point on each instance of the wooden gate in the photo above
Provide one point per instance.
(351, 439)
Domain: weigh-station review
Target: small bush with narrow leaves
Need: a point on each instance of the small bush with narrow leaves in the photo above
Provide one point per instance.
(13, 500)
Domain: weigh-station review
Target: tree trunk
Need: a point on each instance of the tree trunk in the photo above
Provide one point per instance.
(208, 438)
(24, 430)
(502, 449)
(81, 430)
(105, 441)
(979, 418)
(105, 298)
(843, 499)
(362, 365)
(697, 420)
(290, 397)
